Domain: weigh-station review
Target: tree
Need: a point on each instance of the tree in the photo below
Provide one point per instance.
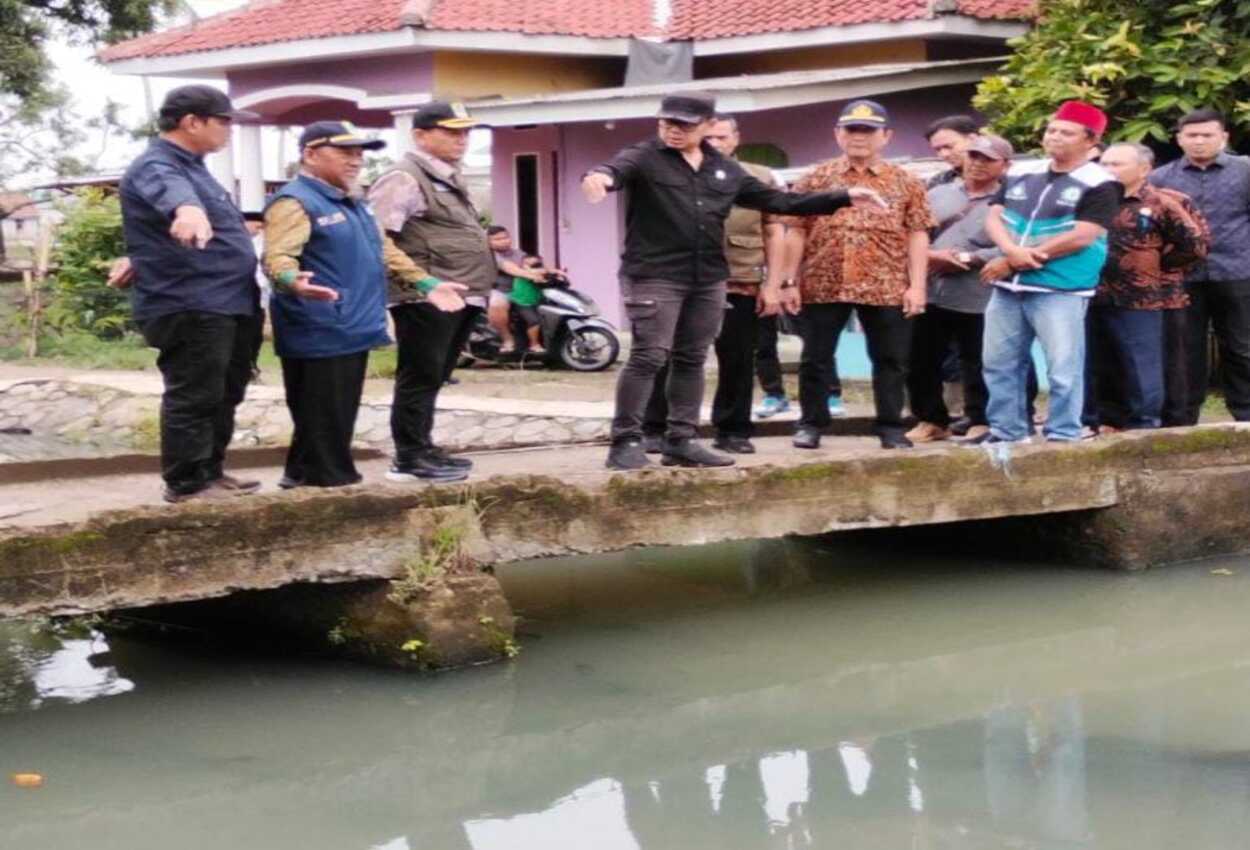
(1146, 62)
(27, 25)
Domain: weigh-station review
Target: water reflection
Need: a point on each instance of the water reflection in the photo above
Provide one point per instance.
(771, 698)
(38, 665)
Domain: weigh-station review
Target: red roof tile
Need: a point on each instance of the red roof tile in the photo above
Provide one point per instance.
(274, 21)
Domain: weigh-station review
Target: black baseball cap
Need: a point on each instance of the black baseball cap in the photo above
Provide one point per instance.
(204, 101)
(693, 108)
(864, 113)
(337, 134)
(450, 115)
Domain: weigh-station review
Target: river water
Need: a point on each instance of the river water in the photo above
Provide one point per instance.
(771, 695)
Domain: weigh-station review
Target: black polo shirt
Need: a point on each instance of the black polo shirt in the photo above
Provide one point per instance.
(675, 220)
(170, 278)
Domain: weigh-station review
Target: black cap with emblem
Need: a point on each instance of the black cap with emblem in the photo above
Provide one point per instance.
(864, 113)
(337, 134)
(449, 115)
(692, 108)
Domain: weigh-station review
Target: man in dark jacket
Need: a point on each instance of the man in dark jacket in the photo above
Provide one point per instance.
(194, 289)
(673, 271)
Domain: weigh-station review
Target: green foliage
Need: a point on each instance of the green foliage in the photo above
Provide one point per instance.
(1146, 62)
(90, 240)
(27, 25)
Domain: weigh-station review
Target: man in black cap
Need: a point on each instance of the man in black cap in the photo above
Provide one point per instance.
(316, 230)
(194, 290)
(424, 205)
(673, 270)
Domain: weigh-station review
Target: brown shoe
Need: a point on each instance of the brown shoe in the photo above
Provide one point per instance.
(927, 432)
(976, 431)
(229, 482)
(210, 491)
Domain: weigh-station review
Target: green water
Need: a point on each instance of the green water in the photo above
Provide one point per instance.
(761, 696)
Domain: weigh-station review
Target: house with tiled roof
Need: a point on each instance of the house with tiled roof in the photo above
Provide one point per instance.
(565, 83)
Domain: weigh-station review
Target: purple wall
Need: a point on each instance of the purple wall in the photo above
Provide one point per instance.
(586, 238)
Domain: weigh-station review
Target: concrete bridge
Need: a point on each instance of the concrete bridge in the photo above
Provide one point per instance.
(90, 536)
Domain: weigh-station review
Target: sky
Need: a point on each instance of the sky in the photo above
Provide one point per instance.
(91, 84)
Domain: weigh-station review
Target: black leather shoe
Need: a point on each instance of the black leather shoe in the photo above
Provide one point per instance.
(286, 482)
(653, 444)
(627, 455)
(424, 468)
(960, 426)
(692, 453)
(441, 458)
(734, 445)
(895, 441)
(806, 437)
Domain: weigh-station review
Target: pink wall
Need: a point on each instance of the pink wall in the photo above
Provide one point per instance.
(401, 73)
(588, 237)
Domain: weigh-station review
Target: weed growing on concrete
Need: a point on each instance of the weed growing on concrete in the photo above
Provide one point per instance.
(499, 640)
(443, 553)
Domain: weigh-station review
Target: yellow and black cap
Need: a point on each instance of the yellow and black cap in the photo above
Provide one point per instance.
(864, 113)
(337, 134)
(450, 115)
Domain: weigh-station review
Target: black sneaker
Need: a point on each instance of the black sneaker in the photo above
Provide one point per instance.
(806, 437)
(288, 482)
(425, 469)
(960, 426)
(692, 453)
(734, 445)
(653, 444)
(893, 440)
(441, 458)
(627, 455)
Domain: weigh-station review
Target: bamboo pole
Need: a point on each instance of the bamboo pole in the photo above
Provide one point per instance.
(34, 281)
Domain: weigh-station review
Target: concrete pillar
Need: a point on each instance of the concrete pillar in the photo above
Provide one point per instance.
(251, 169)
(403, 133)
(221, 166)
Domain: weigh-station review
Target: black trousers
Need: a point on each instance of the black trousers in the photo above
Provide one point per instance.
(935, 329)
(429, 341)
(323, 396)
(206, 362)
(735, 362)
(1176, 368)
(1223, 306)
(889, 345)
(767, 360)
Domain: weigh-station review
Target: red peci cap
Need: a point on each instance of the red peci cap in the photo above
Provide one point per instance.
(1085, 114)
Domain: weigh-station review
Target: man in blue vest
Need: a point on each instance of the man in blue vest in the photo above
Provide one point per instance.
(316, 230)
(1050, 220)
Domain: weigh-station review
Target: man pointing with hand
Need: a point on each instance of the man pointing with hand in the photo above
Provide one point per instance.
(673, 270)
(194, 291)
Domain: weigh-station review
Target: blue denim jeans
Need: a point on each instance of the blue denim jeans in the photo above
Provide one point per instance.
(1123, 367)
(1012, 321)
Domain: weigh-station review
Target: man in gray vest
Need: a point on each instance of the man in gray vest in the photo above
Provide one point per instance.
(424, 206)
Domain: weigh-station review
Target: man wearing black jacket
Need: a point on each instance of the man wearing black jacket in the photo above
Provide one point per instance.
(673, 270)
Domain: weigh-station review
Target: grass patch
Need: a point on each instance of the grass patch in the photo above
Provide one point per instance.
(79, 350)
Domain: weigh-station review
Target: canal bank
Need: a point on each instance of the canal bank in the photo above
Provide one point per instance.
(1128, 502)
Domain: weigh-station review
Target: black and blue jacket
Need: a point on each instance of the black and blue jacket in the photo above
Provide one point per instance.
(1039, 205)
(344, 251)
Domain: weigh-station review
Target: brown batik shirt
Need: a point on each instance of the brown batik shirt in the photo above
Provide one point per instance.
(1155, 237)
(860, 256)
